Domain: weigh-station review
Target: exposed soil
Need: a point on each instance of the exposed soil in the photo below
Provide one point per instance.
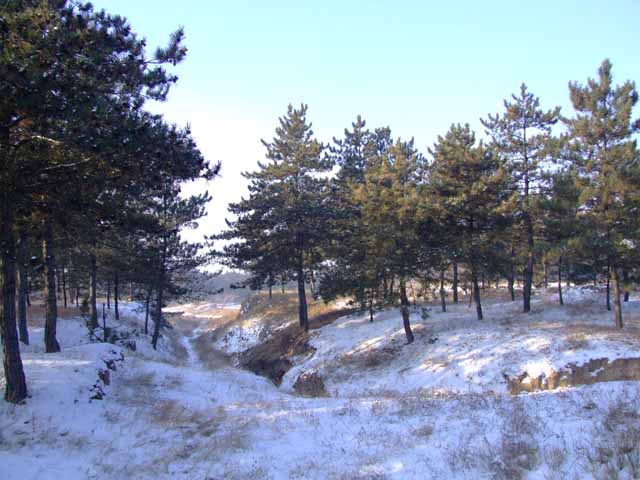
(596, 370)
(273, 358)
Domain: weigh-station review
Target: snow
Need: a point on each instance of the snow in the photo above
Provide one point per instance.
(437, 408)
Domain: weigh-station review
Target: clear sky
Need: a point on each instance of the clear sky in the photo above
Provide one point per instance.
(416, 66)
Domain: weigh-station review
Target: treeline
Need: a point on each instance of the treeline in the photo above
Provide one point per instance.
(368, 214)
(89, 180)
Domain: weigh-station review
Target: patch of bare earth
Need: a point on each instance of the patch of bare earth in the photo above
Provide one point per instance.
(273, 358)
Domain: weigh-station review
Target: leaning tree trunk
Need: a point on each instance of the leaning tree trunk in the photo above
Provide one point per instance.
(51, 314)
(442, 295)
(16, 385)
(617, 307)
(560, 281)
(23, 281)
(455, 282)
(404, 308)
(93, 286)
(116, 291)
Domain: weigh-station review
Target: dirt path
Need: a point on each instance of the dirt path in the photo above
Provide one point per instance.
(198, 335)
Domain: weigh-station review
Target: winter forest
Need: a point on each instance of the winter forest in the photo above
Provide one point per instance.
(373, 309)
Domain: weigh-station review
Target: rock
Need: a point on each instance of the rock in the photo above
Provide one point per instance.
(98, 393)
(130, 344)
(105, 376)
(310, 385)
(594, 371)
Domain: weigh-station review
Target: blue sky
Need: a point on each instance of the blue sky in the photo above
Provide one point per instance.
(417, 66)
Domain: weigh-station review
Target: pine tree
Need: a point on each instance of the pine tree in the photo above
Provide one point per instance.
(281, 225)
(470, 191)
(521, 134)
(605, 159)
(392, 209)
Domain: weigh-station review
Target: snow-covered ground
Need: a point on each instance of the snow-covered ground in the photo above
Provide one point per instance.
(435, 409)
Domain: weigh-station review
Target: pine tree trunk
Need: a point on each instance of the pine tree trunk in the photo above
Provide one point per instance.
(146, 311)
(512, 274)
(116, 294)
(159, 297)
(93, 295)
(270, 294)
(546, 276)
(51, 315)
(371, 308)
(609, 287)
(476, 291)
(617, 307)
(560, 281)
(528, 270)
(58, 284)
(28, 291)
(23, 280)
(77, 296)
(404, 308)
(108, 295)
(15, 383)
(483, 282)
(303, 315)
(442, 295)
(455, 282)
(625, 286)
(64, 288)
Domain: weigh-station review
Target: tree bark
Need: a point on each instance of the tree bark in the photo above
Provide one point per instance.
(159, 297)
(617, 307)
(93, 295)
(560, 281)
(64, 287)
(442, 295)
(51, 314)
(116, 294)
(23, 281)
(625, 286)
(108, 295)
(303, 315)
(476, 291)
(404, 308)
(16, 385)
(455, 282)
(146, 311)
(609, 287)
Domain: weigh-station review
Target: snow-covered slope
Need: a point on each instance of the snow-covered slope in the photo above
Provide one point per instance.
(434, 409)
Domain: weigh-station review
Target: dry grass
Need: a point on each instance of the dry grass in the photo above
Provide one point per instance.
(613, 451)
(208, 356)
(36, 314)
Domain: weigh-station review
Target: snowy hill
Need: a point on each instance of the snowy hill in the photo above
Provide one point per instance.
(438, 408)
